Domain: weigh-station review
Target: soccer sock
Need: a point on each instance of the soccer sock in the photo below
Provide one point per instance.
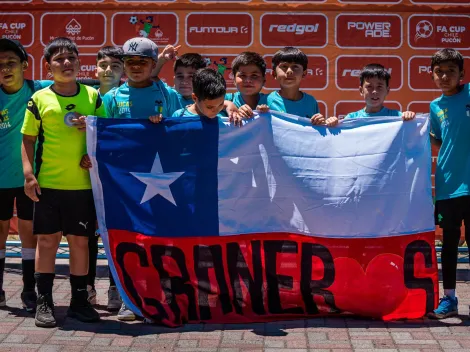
(2, 266)
(112, 283)
(450, 293)
(44, 281)
(79, 291)
(27, 263)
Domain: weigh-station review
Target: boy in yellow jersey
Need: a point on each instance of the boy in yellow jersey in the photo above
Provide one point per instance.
(60, 188)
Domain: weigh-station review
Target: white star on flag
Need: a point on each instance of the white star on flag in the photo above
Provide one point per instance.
(157, 181)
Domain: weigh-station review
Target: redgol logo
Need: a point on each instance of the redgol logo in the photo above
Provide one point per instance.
(300, 30)
(214, 29)
(368, 31)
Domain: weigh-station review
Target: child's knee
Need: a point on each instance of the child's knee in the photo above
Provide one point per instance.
(48, 242)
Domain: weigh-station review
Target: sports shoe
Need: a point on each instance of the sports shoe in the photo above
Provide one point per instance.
(82, 311)
(3, 300)
(448, 307)
(29, 300)
(125, 314)
(45, 316)
(91, 295)
(114, 301)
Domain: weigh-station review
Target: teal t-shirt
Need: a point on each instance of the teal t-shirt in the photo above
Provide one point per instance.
(182, 113)
(183, 102)
(305, 107)
(383, 112)
(237, 99)
(450, 122)
(12, 110)
(140, 103)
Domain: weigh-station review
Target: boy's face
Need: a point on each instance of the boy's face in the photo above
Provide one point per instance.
(289, 74)
(249, 79)
(184, 80)
(447, 77)
(209, 108)
(109, 70)
(11, 69)
(64, 66)
(374, 91)
(138, 69)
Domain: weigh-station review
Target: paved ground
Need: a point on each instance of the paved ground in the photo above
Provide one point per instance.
(18, 333)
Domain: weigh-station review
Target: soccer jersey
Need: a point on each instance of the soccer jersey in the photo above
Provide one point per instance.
(185, 113)
(141, 103)
(12, 108)
(450, 122)
(237, 99)
(183, 102)
(305, 107)
(383, 112)
(60, 146)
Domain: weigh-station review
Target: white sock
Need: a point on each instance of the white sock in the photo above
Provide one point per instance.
(3, 253)
(449, 293)
(28, 253)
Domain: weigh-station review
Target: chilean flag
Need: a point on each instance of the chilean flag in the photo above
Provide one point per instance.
(279, 219)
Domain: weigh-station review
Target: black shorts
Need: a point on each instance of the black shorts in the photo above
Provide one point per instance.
(449, 213)
(69, 212)
(24, 205)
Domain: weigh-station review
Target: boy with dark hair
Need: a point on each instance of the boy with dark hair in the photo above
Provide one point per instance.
(374, 88)
(289, 68)
(61, 189)
(249, 69)
(209, 90)
(14, 95)
(184, 68)
(109, 71)
(450, 129)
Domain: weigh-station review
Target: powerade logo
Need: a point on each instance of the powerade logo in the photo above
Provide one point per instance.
(372, 29)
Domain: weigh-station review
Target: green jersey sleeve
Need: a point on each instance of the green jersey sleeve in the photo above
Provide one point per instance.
(32, 119)
(100, 110)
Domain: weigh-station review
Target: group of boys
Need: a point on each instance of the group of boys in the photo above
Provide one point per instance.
(44, 166)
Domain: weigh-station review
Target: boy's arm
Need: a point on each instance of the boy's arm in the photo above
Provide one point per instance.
(169, 53)
(435, 134)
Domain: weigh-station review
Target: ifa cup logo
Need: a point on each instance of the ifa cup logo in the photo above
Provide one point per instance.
(439, 31)
(162, 28)
(17, 26)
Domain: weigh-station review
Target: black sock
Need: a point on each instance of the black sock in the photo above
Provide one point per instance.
(28, 275)
(44, 281)
(111, 278)
(79, 291)
(92, 259)
(2, 269)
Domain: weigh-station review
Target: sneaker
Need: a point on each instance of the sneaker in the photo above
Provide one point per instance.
(3, 300)
(45, 316)
(114, 301)
(448, 307)
(83, 312)
(125, 314)
(91, 295)
(29, 300)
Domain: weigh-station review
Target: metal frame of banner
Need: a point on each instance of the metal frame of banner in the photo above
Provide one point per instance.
(14, 251)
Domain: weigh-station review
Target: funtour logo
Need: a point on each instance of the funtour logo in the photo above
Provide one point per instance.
(300, 30)
(18, 26)
(214, 29)
(368, 31)
(161, 27)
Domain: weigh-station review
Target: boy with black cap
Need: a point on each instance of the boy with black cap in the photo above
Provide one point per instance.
(14, 95)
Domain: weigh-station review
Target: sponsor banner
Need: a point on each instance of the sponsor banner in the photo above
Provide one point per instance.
(371, 2)
(316, 78)
(222, 63)
(439, 31)
(86, 29)
(302, 30)
(344, 107)
(440, 2)
(17, 26)
(219, 29)
(295, 1)
(380, 31)
(161, 27)
(87, 67)
(153, 1)
(73, 1)
(419, 78)
(348, 70)
(419, 107)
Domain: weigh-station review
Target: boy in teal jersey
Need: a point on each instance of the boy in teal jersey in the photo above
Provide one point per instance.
(140, 96)
(249, 69)
(374, 88)
(209, 90)
(450, 129)
(64, 205)
(184, 68)
(289, 68)
(14, 95)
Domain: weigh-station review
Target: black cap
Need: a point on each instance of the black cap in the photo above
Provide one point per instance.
(15, 46)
